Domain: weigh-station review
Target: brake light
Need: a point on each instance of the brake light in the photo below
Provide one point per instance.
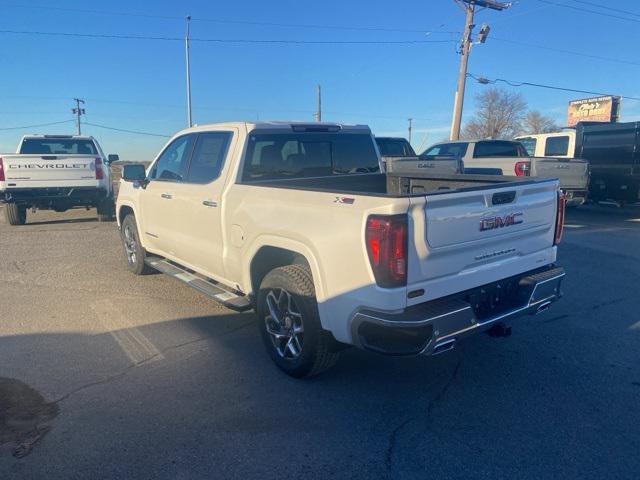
(559, 218)
(523, 169)
(1, 170)
(99, 171)
(386, 239)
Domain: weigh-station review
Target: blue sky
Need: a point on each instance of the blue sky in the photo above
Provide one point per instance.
(139, 84)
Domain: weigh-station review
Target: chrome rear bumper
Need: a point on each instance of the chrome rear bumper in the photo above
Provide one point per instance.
(436, 326)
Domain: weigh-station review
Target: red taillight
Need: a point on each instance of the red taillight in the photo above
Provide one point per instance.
(1, 170)
(99, 171)
(386, 238)
(523, 169)
(559, 218)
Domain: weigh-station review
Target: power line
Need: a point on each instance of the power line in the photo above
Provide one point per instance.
(513, 83)
(241, 22)
(607, 7)
(568, 52)
(35, 126)
(587, 10)
(137, 132)
(227, 40)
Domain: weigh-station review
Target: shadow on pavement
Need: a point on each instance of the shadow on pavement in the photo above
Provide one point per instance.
(211, 404)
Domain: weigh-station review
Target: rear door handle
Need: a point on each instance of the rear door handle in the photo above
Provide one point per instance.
(168, 196)
(209, 203)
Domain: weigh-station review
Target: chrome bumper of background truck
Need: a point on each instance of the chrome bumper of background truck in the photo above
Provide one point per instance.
(435, 327)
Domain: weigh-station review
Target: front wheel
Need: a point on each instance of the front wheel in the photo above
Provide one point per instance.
(290, 325)
(15, 214)
(134, 252)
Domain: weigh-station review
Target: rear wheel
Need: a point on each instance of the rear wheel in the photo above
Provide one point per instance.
(134, 252)
(15, 214)
(290, 325)
(106, 210)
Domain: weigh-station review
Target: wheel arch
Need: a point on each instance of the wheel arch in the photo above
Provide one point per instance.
(274, 253)
(123, 211)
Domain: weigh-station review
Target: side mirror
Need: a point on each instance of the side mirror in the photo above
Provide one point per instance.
(134, 173)
(112, 158)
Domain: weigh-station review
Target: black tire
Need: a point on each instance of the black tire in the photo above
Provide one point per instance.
(317, 350)
(134, 253)
(15, 214)
(106, 210)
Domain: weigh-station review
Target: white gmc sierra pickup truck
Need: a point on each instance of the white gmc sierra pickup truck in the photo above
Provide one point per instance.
(506, 157)
(296, 221)
(56, 172)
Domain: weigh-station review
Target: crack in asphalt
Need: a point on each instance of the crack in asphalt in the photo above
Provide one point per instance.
(143, 362)
(440, 395)
(393, 436)
(392, 445)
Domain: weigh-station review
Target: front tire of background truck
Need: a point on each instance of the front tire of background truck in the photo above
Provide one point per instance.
(106, 210)
(134, 252)
(289, 323)
(15, 214)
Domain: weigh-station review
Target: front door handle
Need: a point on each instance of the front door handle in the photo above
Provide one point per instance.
(209, 203)
(168, 196)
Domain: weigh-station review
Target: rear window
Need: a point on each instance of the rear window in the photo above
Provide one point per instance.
(57, 146)
(496, 148)
(556, 146)
(457, 150)
(277, 155)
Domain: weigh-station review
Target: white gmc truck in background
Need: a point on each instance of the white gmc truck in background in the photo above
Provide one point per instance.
(56, 172)
(296, 221)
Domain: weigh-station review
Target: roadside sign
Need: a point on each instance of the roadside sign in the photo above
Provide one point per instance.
(596, 109)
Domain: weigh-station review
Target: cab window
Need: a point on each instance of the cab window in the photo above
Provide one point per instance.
(208, 157)
(556, 146)
(171, 166)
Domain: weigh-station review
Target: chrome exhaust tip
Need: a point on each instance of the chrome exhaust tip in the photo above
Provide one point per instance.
(444, 347)
(543, 307)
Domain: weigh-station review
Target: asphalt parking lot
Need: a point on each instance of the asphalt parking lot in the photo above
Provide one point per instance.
(108, 375)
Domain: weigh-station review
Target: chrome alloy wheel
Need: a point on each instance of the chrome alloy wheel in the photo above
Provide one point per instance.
(130, 244)
(284, 324)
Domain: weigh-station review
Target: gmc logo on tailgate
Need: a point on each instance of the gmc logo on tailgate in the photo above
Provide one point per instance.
(491, 223)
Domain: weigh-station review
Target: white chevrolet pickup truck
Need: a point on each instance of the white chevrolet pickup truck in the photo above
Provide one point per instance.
(295, 221)
(506, 157)
(56, 172)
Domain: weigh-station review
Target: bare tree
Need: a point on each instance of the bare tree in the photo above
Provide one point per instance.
(535, 122)
(499, 114)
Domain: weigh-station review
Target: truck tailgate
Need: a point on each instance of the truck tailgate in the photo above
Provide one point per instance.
(422, 166)
(34, 171)
(571, 172)
(465, 239)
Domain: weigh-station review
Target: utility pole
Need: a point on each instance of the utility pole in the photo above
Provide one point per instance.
(78, 112)
(318, 113)
(469, 7)
(410, 128)
(186, 51)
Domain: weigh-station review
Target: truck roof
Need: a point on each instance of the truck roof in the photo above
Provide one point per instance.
(39, 135)
(277, 125)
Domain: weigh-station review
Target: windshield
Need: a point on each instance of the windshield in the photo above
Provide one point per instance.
(277, 155)
(394, 147)
(529, 144)
(58, 146)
